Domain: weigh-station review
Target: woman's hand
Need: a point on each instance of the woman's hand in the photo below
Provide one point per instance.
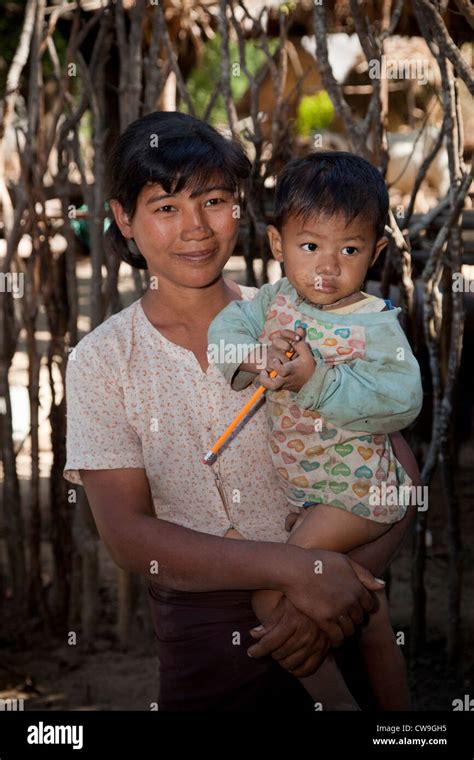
(332, 590)
(292, 638)
(292, 374)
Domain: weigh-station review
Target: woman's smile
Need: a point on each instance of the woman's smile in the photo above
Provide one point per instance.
(188, 239)
(199, 257)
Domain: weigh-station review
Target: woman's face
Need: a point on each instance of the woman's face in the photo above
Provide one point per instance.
(186, 237)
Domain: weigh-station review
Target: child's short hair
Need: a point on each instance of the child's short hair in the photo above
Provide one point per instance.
(331, 182)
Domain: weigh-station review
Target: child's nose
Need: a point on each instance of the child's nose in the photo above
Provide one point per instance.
(328, 263)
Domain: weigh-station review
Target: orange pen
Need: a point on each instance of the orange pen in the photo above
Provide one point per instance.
(245, 409)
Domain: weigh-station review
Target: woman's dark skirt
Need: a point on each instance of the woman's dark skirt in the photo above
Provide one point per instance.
(202, 648)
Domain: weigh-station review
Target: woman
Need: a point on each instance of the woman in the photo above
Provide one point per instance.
(143, 407)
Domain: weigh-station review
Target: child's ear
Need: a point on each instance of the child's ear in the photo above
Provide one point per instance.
(379, 246)
(274, 240)
(121, 218)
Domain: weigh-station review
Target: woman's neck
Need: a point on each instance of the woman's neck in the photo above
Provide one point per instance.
(177, 305)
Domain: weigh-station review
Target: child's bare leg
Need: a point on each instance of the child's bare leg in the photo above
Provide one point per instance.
(328, 688)
(330, 528)
(384, 660)
(320, 527)
(327, 683)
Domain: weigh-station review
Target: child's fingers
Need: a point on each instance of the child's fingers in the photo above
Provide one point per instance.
(271, 383)
(303, 349)
(285, 370)
(275, 359)
(290, 368)
(283, 345)
(289, 334)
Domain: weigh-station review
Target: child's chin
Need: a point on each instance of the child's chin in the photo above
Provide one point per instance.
(321, 299)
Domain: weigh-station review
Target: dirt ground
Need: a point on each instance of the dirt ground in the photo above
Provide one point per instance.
(56, 676)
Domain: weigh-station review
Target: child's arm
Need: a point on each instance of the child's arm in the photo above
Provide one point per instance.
(233, 336)
(380, 394)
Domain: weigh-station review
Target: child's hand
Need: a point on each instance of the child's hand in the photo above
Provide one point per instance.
(257, 360)
(292, 374)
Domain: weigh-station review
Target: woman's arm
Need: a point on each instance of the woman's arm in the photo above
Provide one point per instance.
(194, 561)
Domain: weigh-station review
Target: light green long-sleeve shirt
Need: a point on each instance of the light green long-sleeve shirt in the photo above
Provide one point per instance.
(379, 391)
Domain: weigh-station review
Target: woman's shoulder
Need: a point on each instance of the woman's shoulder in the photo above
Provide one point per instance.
(111, 338)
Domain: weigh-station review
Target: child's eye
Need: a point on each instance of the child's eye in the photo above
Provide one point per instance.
(309, 247)
(349, 250)
(165, 209)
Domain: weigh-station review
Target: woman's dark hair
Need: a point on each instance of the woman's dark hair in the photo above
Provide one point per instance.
(331, 182)
(175, 150)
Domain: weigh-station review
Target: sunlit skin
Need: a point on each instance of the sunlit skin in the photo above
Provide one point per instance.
(186, 239)
(189, 294)
(326, 258)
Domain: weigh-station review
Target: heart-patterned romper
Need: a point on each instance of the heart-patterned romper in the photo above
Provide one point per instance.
(330, 441)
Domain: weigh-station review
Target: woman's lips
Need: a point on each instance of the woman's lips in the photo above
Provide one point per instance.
(198, 256)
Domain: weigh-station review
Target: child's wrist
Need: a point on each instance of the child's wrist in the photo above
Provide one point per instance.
(249, 367)
(306, 377)
(255, 361)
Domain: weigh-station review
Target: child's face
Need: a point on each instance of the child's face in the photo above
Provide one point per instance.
(325, 258)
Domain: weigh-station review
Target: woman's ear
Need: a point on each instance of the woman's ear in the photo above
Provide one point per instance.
(121, 217)
(379, 246)
(274, 240)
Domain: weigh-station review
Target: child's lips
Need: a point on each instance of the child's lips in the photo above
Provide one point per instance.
(324, 287)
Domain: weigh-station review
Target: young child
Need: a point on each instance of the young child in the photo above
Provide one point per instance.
(351, 382)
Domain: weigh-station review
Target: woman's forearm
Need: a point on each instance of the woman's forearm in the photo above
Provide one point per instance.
(173, 555)
(188, 560)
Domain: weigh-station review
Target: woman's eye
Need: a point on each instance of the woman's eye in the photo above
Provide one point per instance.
(349, 250)
(310, 247)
